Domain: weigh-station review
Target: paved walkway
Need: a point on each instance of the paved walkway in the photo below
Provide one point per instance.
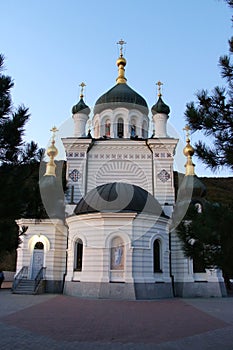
(61, 322)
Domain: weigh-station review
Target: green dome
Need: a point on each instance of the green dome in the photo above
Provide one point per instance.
(121, 95)
(119, 197)
(81, 106)
(160, 107)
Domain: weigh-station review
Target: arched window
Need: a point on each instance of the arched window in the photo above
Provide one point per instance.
(157, 256)
(39, 245)
(78, 262)
(120, 127)
(133, 128)
(144, 130)
(107, 128)
(117, 254)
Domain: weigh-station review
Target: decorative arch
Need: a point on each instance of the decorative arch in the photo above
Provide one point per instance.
(104, 120)
(79, 236)
(36, 239)
(113, 169)
(120, 234)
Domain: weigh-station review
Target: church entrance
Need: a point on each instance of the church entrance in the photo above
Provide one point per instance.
(37, 259)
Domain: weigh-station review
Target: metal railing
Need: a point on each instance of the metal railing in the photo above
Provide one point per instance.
(39, 277)
(22, 274)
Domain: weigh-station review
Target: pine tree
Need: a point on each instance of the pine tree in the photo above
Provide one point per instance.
(206, 237)
(19, 164)
(213, 115)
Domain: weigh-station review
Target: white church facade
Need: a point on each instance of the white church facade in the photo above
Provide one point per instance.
(115, 240)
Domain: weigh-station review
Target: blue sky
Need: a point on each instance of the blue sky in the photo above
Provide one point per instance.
(51, 46)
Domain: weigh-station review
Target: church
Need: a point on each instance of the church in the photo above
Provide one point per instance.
(117, 238)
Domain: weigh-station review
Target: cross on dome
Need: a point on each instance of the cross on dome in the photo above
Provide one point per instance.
(121, 43)
(54, 130)
(187, 129)
(159, 84)
(82, 85)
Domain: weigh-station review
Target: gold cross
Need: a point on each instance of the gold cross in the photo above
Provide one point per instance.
(159, 87)
(121, 43)
(82, 88)
(54, 130)
(187, 129)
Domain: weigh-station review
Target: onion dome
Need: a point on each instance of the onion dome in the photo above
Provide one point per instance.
(121, 94)
(119, 197)
(81, 107)
(191, 186)
(50, 186)
(52, 153)
(188, 152)
(160, 107)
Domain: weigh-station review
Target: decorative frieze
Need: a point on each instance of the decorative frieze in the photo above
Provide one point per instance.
(75, 154)
(119, 156)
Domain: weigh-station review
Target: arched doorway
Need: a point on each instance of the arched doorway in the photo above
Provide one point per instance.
(37, 259)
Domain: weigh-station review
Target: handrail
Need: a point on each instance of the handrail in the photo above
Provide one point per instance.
(22, 274)
(40, 276)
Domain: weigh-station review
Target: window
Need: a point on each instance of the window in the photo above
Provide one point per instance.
(107, 128)
(78, 255)
(120, 127)
(157, 256)
(144, 130)
(39, 245)
(133, 128)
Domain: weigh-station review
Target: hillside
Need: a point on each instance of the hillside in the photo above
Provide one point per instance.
(219, 189)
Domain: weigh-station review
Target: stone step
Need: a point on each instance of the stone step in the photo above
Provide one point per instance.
(25, 287)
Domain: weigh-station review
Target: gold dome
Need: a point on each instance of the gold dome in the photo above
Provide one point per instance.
(188, 150)
(52, 150)
(121, 61)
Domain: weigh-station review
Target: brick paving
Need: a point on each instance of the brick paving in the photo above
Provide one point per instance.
(63, 322)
